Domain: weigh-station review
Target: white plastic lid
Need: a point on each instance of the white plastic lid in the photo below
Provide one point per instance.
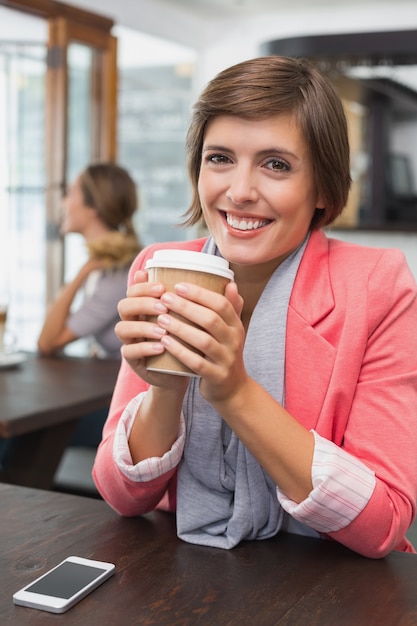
(188, 260)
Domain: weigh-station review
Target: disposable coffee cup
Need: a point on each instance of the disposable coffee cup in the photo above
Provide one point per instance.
(170, 267)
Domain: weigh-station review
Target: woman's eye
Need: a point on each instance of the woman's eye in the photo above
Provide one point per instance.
(218, 158)
(277, 165)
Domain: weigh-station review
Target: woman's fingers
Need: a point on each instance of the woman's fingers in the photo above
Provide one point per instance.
(140, 333)
(131, 331)
(138, 312)
(140, 308)
(207, 322)
(208, 310)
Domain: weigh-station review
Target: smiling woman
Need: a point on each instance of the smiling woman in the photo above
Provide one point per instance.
(301, 413)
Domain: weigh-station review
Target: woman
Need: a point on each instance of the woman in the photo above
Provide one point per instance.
(303, 415)
(99, 206)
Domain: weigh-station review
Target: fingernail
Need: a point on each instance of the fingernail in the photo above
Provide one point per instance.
(157, 289)
(181, 288)
(168, 298)
(163, 320)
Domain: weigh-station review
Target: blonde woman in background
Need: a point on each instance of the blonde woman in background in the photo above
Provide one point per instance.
(100, 205)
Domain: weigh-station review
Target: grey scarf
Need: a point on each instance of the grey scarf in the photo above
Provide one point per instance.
(224, 496)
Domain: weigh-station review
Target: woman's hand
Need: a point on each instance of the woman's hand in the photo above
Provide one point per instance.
(280, 444)
(212, 326)
(217, 332)
(141, 335)
(55, 334)
(157, 422)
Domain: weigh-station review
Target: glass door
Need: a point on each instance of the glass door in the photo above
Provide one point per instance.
(80, 127)
(57, 113)
(22, 186)
(82, 74)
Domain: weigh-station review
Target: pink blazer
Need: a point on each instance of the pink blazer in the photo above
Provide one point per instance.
(350, 374)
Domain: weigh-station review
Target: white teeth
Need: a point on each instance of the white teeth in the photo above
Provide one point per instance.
(244, 224)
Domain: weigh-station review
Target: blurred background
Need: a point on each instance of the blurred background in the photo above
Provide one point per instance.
(100, 79)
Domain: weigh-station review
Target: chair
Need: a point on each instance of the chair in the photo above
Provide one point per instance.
(73, 474)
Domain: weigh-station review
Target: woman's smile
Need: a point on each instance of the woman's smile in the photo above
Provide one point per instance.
(245, 223)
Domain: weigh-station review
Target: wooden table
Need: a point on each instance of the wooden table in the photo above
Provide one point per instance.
(160, 580)
(41, 402)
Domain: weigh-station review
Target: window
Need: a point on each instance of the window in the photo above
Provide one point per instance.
(57, 112)
(154, 101)
(22, 186)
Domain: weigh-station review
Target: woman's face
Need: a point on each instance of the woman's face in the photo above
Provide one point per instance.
(76, 215)
(256, 188)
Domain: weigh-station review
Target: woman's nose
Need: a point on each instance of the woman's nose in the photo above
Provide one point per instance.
(242, 188)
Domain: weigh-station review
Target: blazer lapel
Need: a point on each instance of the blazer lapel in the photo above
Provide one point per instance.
(309, 357)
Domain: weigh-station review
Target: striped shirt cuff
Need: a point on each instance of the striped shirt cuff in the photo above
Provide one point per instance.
(151, 468)
(342, 487)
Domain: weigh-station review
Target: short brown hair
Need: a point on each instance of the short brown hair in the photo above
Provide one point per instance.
(268, 86)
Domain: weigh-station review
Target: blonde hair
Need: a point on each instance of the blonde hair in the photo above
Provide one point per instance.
(110, 190)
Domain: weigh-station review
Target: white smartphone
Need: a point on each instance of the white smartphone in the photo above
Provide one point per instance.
(64, 585)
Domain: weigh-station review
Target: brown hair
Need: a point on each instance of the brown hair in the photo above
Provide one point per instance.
(109, 189)
(268, 86)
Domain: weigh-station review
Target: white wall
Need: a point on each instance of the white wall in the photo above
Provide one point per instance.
(240, 36)
(17, 26)
(407, 242)
(404, 141)
(239, 40)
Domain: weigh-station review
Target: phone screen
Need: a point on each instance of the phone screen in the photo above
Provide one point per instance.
(65, 580)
